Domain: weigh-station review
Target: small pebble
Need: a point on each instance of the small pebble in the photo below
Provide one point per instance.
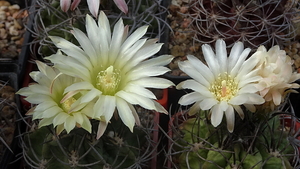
(293, 51)
(11, 29)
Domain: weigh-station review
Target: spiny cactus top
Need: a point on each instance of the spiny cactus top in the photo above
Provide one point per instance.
(114, 69)
(255, 22)
(223, 85)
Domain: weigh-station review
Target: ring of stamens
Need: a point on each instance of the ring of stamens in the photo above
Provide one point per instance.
(108, 81)
(224, 87)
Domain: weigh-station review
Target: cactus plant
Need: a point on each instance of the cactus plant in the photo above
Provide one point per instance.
(115, 87)
(256, 143)
(226, 86)
(254, 22)
(117, 148)
(50, 20)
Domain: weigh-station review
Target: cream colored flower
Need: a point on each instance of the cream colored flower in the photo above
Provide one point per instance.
(114, 69)
(276, 70)
(48, 93)
(222, 86)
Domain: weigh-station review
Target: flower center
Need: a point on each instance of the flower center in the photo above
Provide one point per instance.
(66, 106)
(224, 88)
(108, 81)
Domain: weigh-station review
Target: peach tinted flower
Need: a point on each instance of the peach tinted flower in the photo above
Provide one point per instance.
(276, 70)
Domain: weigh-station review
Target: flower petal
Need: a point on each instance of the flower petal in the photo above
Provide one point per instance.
(71, 50)
(89, 96)
(161, 60)
(190, 98)
(86, 45)
(135, 115)
(249, 88)
(189, 70)
(121, 4)
(105, 106)
(133, 98)
(79, 86)
(160, 108)
(78, 117)
(208, 103)
(276, 98)
(45, 122)
(103, 23)
(86, 124)
(239, 110)
(101, 129)
(254, 98)
(75, 4)
(65, 5)
(194, 109)
(127, 55)
(239, 99)
(194, 85)
(153, 82)
(125, 113)
(139, 90)
(216, 115)
(51, 112)
(201, 67)
(236, 69)
(133, 38)
(60, 119)
(94, 7)
(235, 53)
(144, 53)
(146, 72)
(69, 124)
(221, 54)
(210, 58)
(37, 98)
(117, 39)
(229, 114)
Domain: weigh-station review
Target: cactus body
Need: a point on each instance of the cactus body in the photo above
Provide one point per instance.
(205, 147)
(255, 22)
(117, 148)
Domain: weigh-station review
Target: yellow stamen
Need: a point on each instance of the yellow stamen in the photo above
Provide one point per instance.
(66, 105)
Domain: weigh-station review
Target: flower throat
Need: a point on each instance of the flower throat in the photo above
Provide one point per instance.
(224, 87)
(108, 81)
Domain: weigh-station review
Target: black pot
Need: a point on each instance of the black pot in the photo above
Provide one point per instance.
(13, 72)
(8, 160)
(295, 101)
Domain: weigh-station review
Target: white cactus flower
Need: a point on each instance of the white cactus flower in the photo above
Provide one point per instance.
(114, 68)
(48, 94)
(223, 85)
